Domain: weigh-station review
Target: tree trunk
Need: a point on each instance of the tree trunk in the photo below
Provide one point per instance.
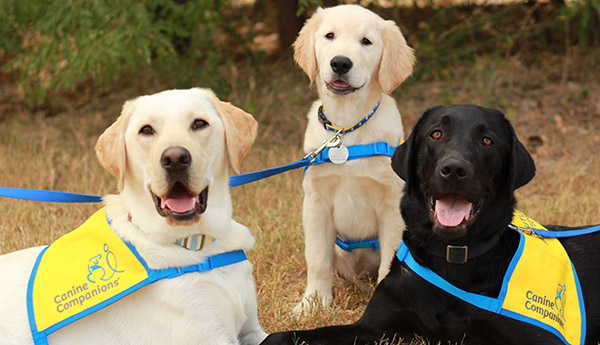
(594, 28)
(289, 23)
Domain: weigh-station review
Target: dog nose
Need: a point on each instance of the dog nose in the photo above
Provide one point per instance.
(454, 169)
(340, 64)
(175, 158)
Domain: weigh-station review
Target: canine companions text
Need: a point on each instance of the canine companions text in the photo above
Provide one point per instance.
(170, 152)
(461, 165)
(355, 59)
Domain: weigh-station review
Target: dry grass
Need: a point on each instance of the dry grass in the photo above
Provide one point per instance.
(56, 152)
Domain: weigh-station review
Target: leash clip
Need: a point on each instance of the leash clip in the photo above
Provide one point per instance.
(334, 141)
(526, 231)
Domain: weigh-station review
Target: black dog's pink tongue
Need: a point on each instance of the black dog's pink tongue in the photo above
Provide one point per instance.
(451, 210)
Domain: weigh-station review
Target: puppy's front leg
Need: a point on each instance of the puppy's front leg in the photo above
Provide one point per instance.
(319, 239)
(390, 236)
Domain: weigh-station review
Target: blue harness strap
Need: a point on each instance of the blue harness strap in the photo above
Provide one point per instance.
(351, 245)
(359, 151)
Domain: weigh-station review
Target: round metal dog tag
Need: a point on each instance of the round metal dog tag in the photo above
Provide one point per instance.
(338, 155)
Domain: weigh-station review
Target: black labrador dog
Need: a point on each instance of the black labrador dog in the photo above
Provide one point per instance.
(461, 165)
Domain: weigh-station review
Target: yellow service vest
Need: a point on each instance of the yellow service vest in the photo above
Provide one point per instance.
(90, 268)
(540, 286)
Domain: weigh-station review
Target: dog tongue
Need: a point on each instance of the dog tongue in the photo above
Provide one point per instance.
(451, 210)
(339, 83)
(179, 203)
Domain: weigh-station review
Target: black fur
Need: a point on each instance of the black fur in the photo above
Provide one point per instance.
(403, 304)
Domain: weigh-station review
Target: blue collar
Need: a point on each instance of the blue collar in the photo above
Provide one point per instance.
(328, 125)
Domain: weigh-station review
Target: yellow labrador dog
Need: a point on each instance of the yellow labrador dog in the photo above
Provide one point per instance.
(170, 152)
(355, 59)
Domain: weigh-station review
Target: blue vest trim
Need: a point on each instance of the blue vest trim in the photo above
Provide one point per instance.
(511, 267)
(38, 338)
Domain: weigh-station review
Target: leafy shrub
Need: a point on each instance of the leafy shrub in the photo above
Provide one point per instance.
(57, 45)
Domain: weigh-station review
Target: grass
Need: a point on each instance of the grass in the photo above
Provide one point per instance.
(55, 151)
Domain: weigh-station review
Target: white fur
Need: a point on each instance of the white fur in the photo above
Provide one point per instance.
(359, 199)
(214, 307)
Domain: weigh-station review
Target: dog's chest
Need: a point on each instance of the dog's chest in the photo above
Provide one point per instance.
(354, 200)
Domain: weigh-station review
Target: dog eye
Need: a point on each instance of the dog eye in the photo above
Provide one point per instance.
(485, 141)
(366, 42)
(199, 124)
(146, 130)
(329, 36)
(437, 134)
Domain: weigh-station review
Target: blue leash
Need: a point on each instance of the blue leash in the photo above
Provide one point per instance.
(47, 195)
(241, 179)
(355, 152)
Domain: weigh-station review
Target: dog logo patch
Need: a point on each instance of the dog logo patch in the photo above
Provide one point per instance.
(80, 271)
(560, 300)
(102, 267)
(544, 288)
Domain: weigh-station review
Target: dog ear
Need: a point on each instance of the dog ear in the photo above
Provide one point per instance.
(521, 166)
(304, 46)
(404, 159)
(398, 58)
(240, 130)
(110, 147)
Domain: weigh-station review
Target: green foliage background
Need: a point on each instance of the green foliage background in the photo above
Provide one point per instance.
(58, 46)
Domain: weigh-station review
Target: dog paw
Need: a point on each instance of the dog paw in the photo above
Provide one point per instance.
(312, 304)
(253, 338)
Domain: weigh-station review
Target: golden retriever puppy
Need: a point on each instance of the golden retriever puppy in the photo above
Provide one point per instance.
(170, 152)
(356, 59)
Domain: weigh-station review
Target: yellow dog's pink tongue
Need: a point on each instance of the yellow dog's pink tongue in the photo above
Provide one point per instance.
(179, 203)
(339, 83)
(451, 210)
